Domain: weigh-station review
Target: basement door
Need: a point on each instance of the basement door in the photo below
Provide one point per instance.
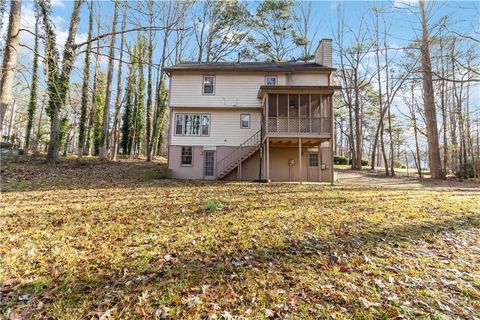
(312, 174)
(209, 164)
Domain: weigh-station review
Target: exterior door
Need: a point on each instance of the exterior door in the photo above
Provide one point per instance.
(209, 164)
(312, 174)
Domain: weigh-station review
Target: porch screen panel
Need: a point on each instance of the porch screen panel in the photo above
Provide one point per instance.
(282, 119)
(304, 113)
(325, 112)
(272, 112)
(293, 115)
(316, 116)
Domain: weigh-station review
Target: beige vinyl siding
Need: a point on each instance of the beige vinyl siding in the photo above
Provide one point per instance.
(239, 90)
(307, 79)
(224, 127)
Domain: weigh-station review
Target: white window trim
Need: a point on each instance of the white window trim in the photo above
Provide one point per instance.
(201, 124)
(214, 85)
(249, 120)
(181, 157)
(272, 76)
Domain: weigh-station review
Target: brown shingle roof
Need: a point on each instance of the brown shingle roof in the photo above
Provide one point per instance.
(249, 66)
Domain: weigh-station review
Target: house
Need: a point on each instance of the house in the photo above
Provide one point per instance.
(251, 120)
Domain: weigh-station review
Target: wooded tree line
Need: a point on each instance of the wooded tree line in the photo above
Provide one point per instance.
(409, 104)
(106, 93)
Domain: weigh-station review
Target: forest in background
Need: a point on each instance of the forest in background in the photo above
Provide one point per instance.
(105, 92)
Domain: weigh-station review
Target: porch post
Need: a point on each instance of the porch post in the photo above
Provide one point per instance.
(319, 155)
(267, 120)
(268, 159)
(332, 138)
(300, 160)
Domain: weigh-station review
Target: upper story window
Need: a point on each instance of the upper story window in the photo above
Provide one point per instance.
(245, 121)
(209, 85)
(271, 80)
(192, 124)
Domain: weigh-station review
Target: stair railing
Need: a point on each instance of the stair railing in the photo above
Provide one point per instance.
(239, 154)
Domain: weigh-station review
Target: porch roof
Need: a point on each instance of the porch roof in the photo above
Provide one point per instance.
(297, 89)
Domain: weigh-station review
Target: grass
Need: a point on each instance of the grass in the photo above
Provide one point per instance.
(113, 239)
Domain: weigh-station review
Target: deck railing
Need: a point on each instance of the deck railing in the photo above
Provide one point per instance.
(320, 125)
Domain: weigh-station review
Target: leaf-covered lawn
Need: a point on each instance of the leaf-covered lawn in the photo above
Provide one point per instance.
(111, 240)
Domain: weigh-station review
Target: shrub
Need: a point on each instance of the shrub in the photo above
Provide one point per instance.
(466, 170)
(398, 164)
(213, 206)
(340, 160)
(364, 162)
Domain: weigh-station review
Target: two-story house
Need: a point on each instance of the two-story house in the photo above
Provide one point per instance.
(253, 120)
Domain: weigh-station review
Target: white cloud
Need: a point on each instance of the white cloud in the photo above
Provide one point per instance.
(58, 3)
(402, 4)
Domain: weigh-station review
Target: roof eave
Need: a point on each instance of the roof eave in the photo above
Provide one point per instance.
(171, 70)
(297, 89)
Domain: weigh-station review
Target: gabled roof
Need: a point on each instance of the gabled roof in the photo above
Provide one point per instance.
(248, 67)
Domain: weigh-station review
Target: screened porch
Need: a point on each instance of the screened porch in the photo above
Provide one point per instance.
(294, 113)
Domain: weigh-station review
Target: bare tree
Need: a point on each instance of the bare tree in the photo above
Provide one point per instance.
(86, 82)
(108, 93)
(32, 105)
(116, 117)
(58, 83)
(429, 98)
(10, 57)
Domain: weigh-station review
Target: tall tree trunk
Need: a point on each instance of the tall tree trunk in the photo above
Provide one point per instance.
(429, 100)
(10, 57)
(94, 107)
(39, 126)
(443, 108)
(353, 153)
(382, 146)
(108, 92)
(358, 124)
(86, 82)
(32, 105)
(157, 121)
(380, 97)
(148, 124)
(116, 117)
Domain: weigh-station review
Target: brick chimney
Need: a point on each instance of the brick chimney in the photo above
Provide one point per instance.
(323, 53)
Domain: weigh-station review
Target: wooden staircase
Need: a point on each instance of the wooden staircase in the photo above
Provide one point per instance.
(239, 155)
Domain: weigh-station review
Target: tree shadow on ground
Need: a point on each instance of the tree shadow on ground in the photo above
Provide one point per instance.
(217, 267)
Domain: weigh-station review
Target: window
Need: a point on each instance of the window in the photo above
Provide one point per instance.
(205, 125)
(187, 156)
(192, 124)
(179, 124)
(313, 159)
(271, 80)
(209, 85)
(245, 121)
